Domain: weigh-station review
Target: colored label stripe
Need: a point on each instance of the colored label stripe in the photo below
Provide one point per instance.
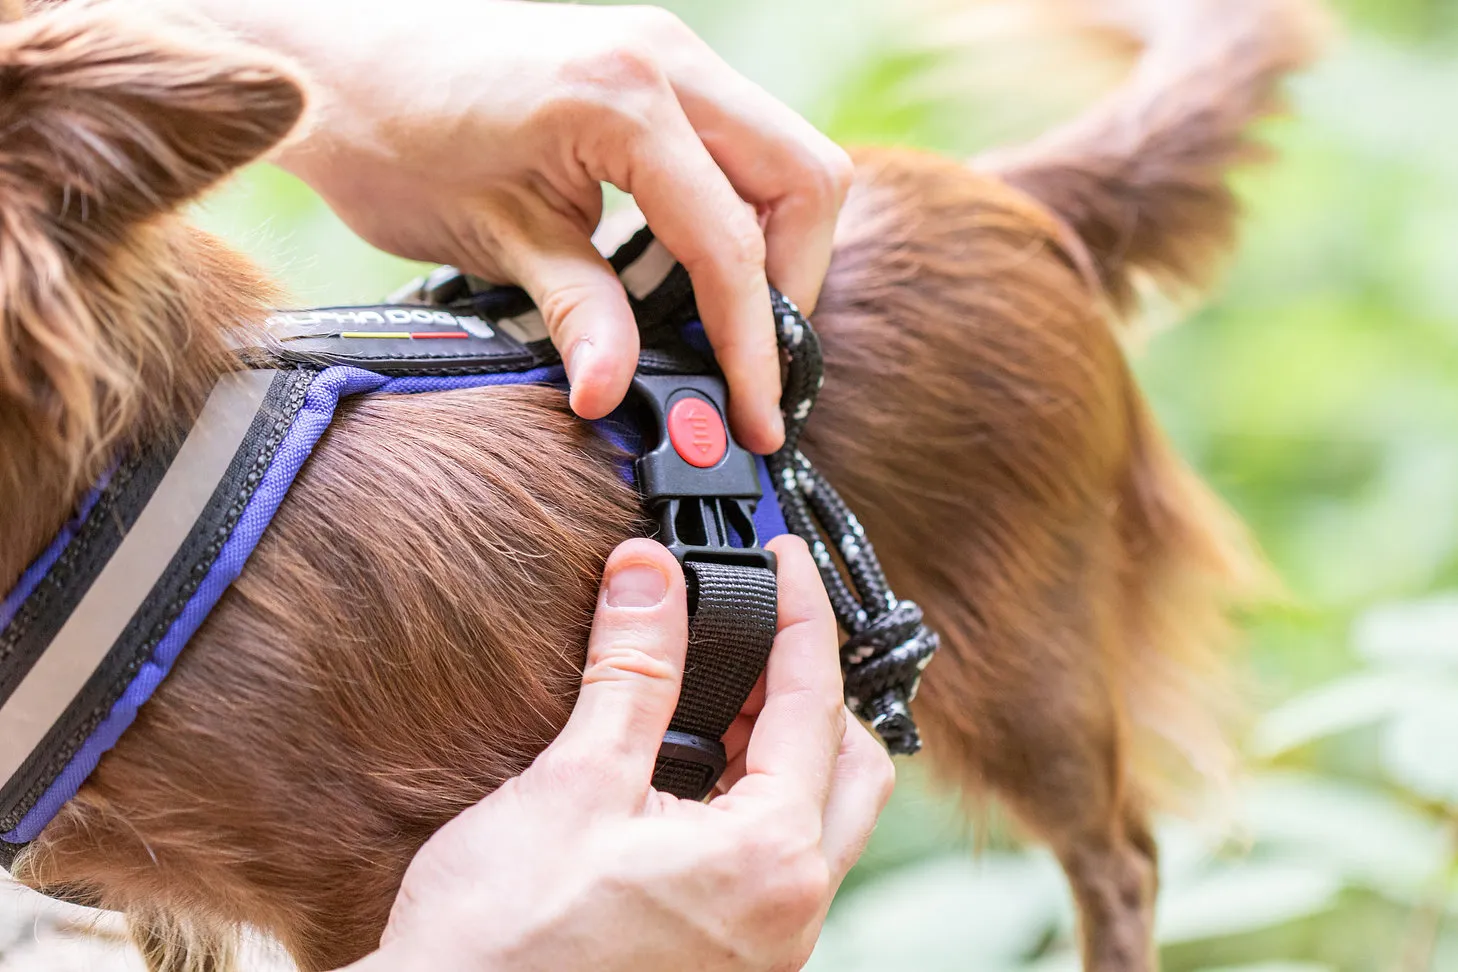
(403, 335)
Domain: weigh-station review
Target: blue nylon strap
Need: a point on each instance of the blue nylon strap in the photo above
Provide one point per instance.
(313, 419)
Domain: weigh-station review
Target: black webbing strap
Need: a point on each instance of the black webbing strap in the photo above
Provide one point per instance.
(731, 629)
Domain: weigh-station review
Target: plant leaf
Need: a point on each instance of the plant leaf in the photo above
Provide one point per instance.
(1418, 748)
(1338, 706)
(1244, 897)
(1422, 634)
(953, 913)
(1374, 839)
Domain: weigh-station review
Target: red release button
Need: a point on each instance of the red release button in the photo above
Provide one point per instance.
(697, 432)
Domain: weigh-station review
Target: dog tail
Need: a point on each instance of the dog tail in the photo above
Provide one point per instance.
(1186, 563)
(1140, 177)
(1140, 181)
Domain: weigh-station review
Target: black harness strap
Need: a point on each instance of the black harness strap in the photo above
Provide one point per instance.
(731, 628)
(705, 517)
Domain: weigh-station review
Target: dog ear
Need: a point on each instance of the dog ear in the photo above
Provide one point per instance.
(111, 117)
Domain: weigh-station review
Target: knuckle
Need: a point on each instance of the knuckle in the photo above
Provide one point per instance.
(745, 245)
(777, 846)
(748, 347)
(561, 307)
(621, 659)
(571, 769)
(782, 880)
(622, 66)
(824, 176)
(602, 119)
(738, 250)
(819, 705)
(797, 893)
(658, 25)
(610, 94)
(837, 172)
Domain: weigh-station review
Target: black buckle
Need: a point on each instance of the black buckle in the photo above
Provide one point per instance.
(702, 757)
(705, 512)
(703, 488)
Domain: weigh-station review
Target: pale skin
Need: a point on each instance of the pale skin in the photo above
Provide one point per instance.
(579, 863)
(479, 132)
(490, 155)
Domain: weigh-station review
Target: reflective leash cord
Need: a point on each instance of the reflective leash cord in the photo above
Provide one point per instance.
(888, 645)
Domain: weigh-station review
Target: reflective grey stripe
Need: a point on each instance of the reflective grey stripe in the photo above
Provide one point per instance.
(647, 273)
(81, 645)
(526, 328)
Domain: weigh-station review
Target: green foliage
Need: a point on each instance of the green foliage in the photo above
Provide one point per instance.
(1318, 392)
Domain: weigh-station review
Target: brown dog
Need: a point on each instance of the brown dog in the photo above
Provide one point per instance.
(347, 698)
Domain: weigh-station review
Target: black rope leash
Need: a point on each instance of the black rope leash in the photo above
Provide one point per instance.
(888, 645)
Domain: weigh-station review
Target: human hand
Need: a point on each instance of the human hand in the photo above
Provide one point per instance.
(579, 863)
(478, 133)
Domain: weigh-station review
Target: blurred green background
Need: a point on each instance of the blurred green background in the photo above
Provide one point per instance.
(1317, 391)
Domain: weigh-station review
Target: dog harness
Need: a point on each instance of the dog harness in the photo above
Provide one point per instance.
(98, 620)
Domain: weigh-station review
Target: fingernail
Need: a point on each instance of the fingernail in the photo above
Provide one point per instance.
(637, 585)
(773, 426)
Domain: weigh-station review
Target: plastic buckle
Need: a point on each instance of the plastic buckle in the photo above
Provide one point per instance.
(703, 488)
(701, 485)
(685, 747)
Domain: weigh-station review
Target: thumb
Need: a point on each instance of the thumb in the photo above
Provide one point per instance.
(635, 656)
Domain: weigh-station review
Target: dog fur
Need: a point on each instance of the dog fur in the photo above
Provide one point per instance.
(381, 666)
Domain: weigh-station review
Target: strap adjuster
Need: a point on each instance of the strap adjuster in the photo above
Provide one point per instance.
(688, 764)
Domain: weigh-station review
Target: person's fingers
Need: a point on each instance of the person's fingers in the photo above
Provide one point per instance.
(736, 738)
(695, 212)
(798, 243)
(796, 176)
(797, 735)
(754, 704)
(864, 778)
(630, 685)
(736, 744)
(582, 303)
